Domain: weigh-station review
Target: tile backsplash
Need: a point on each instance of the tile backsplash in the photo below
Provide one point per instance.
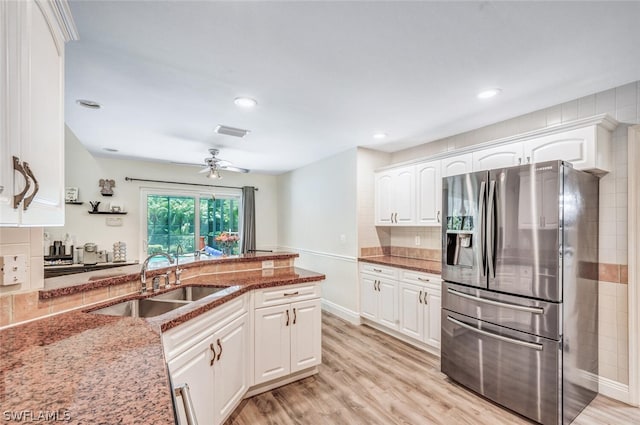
(25, 241)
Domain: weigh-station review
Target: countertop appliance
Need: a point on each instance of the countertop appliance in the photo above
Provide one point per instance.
(90, 254)
(520, 297)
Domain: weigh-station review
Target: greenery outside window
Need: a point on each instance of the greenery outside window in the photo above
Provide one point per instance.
(192, 220)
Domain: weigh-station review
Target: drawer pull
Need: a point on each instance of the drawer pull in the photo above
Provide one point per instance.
(289, 294)
(532, 310)
(219, 346)
(377, 270)
(532, 345)
(423, 279)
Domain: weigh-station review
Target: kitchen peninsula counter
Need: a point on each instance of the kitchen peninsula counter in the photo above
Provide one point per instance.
(426, 266)
(91, 368)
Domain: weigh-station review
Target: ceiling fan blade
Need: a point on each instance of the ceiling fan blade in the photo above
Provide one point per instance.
(232, 168)
(191, 164)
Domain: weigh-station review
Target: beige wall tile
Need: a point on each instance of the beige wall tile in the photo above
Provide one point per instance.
(27, 306)
(95, 295)
(66, 303)
(5, 309)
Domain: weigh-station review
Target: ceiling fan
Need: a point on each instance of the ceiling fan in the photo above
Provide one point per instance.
(213, 165)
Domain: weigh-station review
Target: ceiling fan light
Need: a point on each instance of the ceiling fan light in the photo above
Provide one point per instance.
(214, 174)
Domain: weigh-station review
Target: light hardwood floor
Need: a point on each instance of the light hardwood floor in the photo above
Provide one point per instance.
(367, 377)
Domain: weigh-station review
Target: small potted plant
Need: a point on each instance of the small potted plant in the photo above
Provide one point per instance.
(226, 242)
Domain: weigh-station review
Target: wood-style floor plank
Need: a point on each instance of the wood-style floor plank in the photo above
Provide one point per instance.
(367, 377)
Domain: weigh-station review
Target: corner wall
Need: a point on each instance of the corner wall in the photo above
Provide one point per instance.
(317, 218)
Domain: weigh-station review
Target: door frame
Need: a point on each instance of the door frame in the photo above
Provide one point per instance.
(634, 262)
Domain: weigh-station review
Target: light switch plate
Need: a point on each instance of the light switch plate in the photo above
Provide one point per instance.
(13, 269)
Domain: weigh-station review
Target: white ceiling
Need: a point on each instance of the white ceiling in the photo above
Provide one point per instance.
(327, 75)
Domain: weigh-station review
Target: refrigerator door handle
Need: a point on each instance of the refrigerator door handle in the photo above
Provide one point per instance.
(533, 310)
(532, 345)
(481, 209)
(490, 237)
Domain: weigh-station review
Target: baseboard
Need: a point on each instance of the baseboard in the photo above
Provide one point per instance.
(616, 390)
(268, 386)
(342, 312)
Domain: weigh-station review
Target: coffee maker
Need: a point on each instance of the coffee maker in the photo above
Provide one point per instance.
(90, 255)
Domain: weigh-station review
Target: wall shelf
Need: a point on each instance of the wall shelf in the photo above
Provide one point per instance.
(108, 212)
(74, 202)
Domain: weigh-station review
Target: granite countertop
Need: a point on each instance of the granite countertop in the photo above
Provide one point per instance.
(92, 368)
(72, 284)
(426, 266)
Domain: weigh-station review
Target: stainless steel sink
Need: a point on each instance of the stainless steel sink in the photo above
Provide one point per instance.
(140, 308)
(188, 293)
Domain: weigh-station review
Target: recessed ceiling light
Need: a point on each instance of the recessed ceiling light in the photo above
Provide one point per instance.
(379, 136)
(486, 94)
(88, 104)
(245, 102)
(110, 149)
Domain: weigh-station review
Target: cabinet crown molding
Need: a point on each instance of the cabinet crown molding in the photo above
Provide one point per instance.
(60, 11)
(602, 120)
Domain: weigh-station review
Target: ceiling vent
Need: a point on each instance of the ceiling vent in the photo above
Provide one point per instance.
(231, 131)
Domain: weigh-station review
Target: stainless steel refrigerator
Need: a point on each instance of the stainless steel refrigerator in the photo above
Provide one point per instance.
(520, 297)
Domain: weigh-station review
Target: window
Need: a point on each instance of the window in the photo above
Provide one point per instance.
(174, 218)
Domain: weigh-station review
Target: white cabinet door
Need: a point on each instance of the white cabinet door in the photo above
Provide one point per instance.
(498, 157)
(429, 193)
(272, 343)
(306, 338)
(432, 306)
(368, 297)
(230, 368)
(383, 198)
(404, 196)
(454, 165)
(194, 368)
(43, 144)
(575, 146)
(411, 311)
(388, 303)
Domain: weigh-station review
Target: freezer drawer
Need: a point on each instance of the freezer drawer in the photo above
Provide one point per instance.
(517, 370)
(523, 314)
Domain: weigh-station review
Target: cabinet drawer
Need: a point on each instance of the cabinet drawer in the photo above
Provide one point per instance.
(177, 340)
(286, 294)
(378, 270)
(419, 278)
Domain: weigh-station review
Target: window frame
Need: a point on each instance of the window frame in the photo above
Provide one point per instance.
(218, 193)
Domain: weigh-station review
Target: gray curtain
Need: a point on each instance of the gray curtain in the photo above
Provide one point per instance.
(248, 219)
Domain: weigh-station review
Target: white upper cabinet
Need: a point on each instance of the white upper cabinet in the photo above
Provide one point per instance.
(459, 164)
(395, 196)
(32, 48)
(498, 157)
(429, 193)
(587, 148)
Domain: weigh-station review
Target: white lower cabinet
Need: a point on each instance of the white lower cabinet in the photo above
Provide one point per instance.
(287, 339)
(402, 300)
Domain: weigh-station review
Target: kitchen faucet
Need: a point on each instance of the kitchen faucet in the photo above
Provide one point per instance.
(179, 251)
(143, 271)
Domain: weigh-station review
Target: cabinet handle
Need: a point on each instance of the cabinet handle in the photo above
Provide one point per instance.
(423, 279)
(375, 285)
(219, 346)
(213, 359)
(519, 161)
(287, 324)
(36, 187)
(528, 159)
(189, 411)
(438, 217)
(378, 286)
(425, 299)
(291, 294)
(420, 297)
(396, 218)
(294, 316)
(19, 168)
(377, 270)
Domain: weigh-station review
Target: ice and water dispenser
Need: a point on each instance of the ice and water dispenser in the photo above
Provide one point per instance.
(460, 240)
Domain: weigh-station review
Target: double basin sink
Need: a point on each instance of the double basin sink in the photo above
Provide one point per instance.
(161, 303)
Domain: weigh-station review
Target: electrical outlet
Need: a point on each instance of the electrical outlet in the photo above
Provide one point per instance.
(417, 241)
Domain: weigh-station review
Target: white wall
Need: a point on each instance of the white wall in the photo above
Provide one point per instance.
(84, 171)
(317, 218)
(368, 234)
